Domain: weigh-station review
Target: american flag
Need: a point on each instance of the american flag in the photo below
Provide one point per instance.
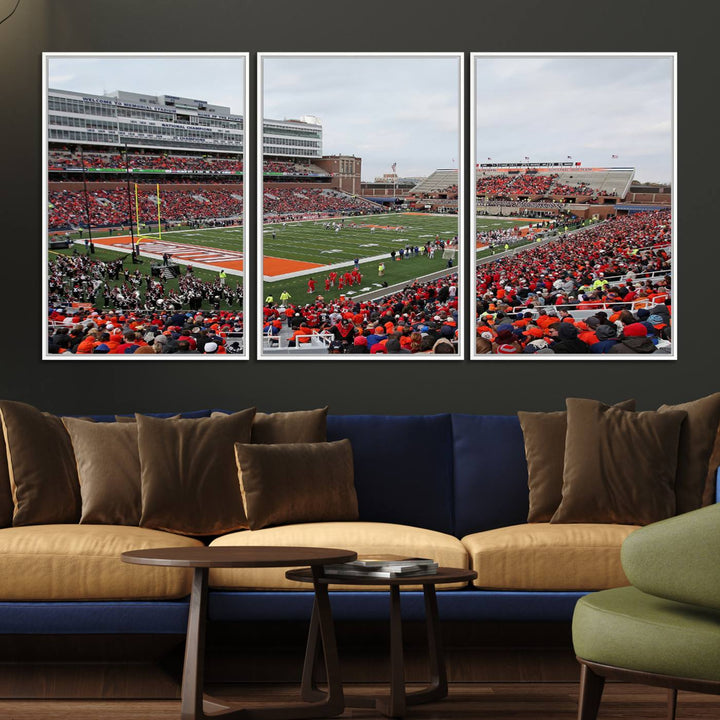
(569, 157)
(489, 159)
(614, 157)
(394, 167)
(526, 157)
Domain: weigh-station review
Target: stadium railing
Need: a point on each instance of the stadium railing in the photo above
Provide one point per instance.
(317, 341)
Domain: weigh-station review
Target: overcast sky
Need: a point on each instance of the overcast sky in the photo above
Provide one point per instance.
(383, 109)
(218, 80)
(589, 108)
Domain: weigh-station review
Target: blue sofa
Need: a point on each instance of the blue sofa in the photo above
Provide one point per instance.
(454, 474)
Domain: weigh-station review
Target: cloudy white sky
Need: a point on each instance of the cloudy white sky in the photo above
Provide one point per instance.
(547, 108)
(219, 80)
(383, 109)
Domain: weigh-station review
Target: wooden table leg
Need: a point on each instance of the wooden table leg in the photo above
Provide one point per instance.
(193, 669)
(438, 687)
(195, 707)
(334, 703)
(308, 686)
(394, 706)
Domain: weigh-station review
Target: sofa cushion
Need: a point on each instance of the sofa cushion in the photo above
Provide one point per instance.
(188, 473)
(299, 426)
(619, 466)
(491, 478)
(189, 415)
(628, 628)
(403, 467)
(82, 562)
(544, 434)
(544, 556)
(697, 439)
(6, 500)
(108, 466)
(287, 483)
(295, 426)
(41, 466)
(365, 538)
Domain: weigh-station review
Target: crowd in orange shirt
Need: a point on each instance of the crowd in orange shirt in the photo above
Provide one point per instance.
(621, 265)
(420, 319)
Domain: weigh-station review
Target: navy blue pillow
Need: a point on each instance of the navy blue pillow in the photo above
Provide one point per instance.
(403, 467)
(491, 488)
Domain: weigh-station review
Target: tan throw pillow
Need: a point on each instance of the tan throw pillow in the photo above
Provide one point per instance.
(619, 466)
(298, 426)
(297, 483)
(188, 474)
(697, 439)
(108, 466)
(544, 436)
(41, 466)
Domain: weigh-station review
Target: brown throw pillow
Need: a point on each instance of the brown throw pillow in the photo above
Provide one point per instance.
(697, 439)
(131, 418)
(41, 466)
(298, 426)
(188, 474)
(544, 435)
(710, 492)
(108, 466)
(6, 499)
(619, 466)
(297, 483)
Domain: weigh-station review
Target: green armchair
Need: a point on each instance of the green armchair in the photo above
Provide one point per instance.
(664, 629)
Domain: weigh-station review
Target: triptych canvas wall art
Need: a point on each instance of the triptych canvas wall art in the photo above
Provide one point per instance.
(359, 248)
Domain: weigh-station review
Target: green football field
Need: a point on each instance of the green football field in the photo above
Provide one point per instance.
(372, 236)
(310, 242)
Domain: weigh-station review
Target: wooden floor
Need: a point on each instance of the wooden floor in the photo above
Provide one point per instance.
(476, 701)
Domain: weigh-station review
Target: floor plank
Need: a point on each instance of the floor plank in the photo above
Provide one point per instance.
(476, 701)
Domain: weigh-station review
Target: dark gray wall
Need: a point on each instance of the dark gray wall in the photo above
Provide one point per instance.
(329, 25)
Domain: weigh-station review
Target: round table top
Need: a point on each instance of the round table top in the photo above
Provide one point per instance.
(238, 557)
(443, 575)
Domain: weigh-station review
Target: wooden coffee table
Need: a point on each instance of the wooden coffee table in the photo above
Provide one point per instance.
(396, 703)
(193, 705)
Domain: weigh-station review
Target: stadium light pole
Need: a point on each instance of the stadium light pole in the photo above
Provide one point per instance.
(91, 247)
(129, 198)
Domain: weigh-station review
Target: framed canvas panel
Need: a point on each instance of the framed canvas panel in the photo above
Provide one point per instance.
(144, 206)
(360, 161)
(573, 227)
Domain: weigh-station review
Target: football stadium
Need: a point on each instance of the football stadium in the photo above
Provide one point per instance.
(353, 267)
(145, 225)
(592, 276)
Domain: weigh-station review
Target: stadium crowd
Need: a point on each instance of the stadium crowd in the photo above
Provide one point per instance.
(293, 202)
(110, 207)
(514, 184)
(420, 319)
(529, 183)
(120, 311)
(619, 268)
(58, 160)
(66, 160)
